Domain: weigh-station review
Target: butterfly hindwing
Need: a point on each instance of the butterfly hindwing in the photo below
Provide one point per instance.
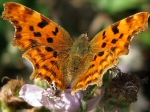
(101, 62)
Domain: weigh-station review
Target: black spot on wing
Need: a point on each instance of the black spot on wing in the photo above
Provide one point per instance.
(114, 41)
(121, 35)
(113, 49)
(91, 66)
(115, 28)
(43, 23)
(19, 28)
(47, 78)
(101, 53)
(49, 49)
(104, 33)
(129, 37)
(50, 40)
(55, 54)
(34, 42)
(104, 37)
(31, 28)
(95, 57)
(104, 44)
(37, 34)
(45, 67)
(37, 66)
(55, 32)
(15, 22)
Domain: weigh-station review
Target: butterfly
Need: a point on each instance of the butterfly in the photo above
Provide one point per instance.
(58, 58)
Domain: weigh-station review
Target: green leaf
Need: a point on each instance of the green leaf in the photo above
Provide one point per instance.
(84, 106)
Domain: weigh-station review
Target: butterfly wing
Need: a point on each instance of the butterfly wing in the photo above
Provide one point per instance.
(108, 45)
(46, 43)
(117, 37)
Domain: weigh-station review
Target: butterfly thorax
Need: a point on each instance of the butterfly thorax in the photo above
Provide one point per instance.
(80, 47)
(78, 57)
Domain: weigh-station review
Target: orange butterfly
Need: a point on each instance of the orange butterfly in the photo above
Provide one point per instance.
(60, 59)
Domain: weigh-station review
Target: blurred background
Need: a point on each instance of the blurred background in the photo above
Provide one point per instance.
(77, 17)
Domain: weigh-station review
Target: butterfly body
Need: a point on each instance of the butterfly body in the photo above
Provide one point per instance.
(79, 57)
(58, 58)
(81, 46)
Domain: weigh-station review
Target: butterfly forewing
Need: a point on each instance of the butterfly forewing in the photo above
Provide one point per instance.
(118, 36)
(34, 29)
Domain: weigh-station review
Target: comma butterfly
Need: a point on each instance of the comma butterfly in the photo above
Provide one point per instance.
(60, 59)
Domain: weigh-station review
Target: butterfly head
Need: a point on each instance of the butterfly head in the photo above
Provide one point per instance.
(84, 36)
